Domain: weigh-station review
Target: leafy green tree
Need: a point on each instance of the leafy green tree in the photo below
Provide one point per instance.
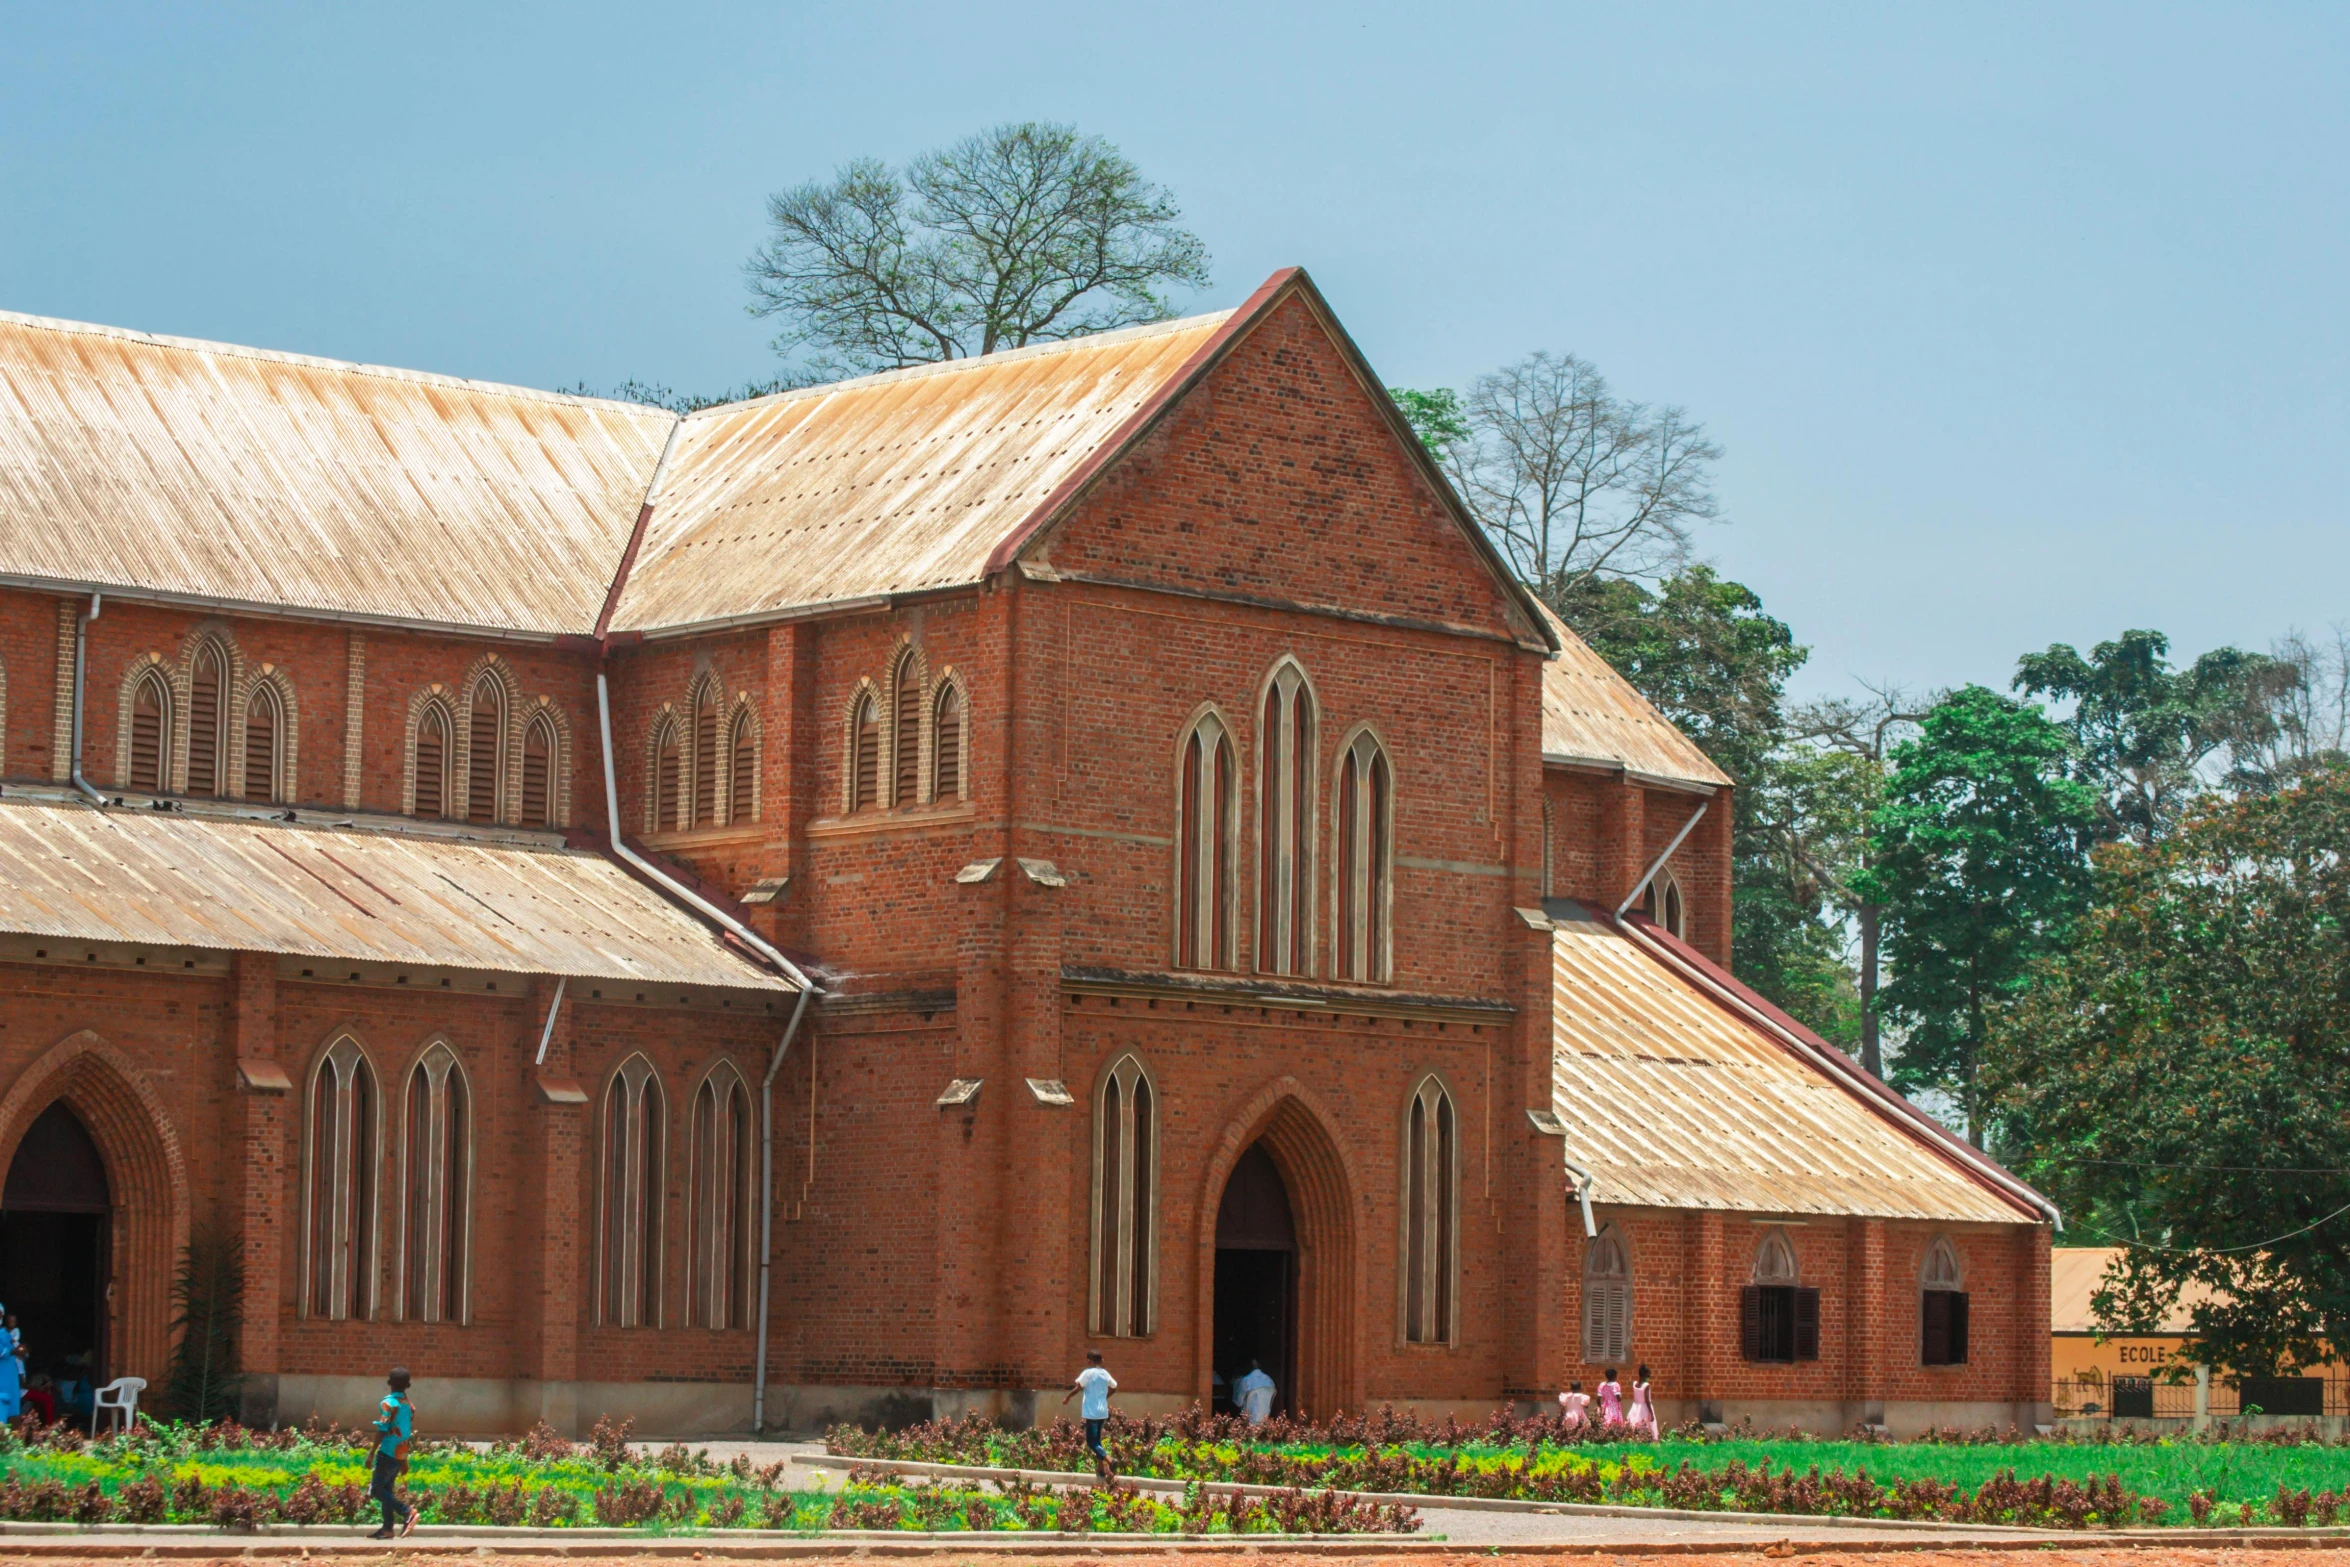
(1435, 417)
(2177, 1077)
(1982, 865)
(1025, 233)
(2142, 731)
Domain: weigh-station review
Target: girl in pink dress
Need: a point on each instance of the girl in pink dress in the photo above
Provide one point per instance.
(1611, 1401)
(1572, 1403)
(1643, 1408)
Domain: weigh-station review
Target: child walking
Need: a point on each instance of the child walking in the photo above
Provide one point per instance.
(395, 1424)
(1096, 1384)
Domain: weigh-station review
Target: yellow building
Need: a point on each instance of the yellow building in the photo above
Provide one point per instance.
(2124, 1377)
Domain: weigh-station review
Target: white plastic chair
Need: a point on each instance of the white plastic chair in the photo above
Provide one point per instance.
(121, 1394)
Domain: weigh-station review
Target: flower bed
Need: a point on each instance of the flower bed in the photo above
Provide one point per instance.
(2066, 1484)
(238, 1479)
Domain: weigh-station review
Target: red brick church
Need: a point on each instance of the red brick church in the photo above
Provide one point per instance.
(833, 906)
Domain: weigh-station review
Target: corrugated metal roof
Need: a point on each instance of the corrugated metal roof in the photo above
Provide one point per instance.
(890, 484)
(1592, 714)
(80, 873)
(239, 475)
(1672, 1102)
(2076, 1272)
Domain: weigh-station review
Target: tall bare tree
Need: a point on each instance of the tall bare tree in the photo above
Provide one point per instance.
(1025, 233)
(2309, 711)
(1571, 480)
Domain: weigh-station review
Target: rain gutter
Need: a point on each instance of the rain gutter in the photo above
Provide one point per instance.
(81, 660)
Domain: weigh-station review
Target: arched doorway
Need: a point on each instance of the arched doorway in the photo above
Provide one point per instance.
(56, 1246)
(1256, 1278)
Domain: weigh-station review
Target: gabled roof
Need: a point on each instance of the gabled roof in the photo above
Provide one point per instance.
(2075, 1273)
(1671, 1100)
(78, 873)
(237, 477)
(1592, 716)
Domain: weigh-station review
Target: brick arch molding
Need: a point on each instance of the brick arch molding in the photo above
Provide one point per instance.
(146, 1170)
(1325, 1193)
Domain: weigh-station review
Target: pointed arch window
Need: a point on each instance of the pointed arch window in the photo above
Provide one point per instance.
(150, 732)
(630, 1183)
(538, 772)
(865, 753)
(1779, 1319)
(432, 760)
(1365, 860)
(668, 775)
(1607, 1299)
(905, 685)
(1661, 902)
(339, 1196)
(1125, 1202)
(437, 1179)
(705, 801)
(1431, 1196)
(207, 718)
(264, 731)
(742, 769)
(946, 744)
(485, 752)
(1942, 1307)
(1285, 837)
(720, 1197)
(1206, 819)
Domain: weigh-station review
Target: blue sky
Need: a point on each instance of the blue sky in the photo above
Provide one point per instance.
(2019, 324)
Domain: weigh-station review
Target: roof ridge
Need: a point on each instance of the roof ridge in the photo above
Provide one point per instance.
(1058, 345)
(202, 345)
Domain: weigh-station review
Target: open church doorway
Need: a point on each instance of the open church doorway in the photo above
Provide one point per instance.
(55, 1252)
(1256, 1279)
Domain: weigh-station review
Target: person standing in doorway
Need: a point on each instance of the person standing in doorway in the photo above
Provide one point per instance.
(395, 1424)
(1094, 1385)
(1254, 1394)
(11, 1374)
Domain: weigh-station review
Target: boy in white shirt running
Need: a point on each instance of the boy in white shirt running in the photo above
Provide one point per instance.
(1096, 1384)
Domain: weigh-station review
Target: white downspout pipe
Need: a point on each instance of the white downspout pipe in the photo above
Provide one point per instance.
(1583, 1183)
(1649, 875)
(81, 659)
(767, 1208)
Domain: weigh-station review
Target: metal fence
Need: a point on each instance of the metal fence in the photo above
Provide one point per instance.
(2152, 1398)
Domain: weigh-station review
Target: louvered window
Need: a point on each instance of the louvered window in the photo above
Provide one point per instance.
(207, 682)
(1126, 1145)
(485, 752)
(705, 757)
(1366, 816)
(438, 1170)
(1431, 1160)
(1285, 839)
(630, 1268)
(721, 1193)
(742, 771)
(865, 755)
(538, 761)
(906, 732)
(432, 761)
(1203, 856)
(1942, 1308)
(340, 1197)
(262, 723)
(1607, 1299)
(946, 745)
(667, 777)
(150, 732)
(1778, 1318)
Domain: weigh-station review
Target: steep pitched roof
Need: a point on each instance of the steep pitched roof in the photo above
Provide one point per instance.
(238, 477)
(1671, 1100)
(1592, 716)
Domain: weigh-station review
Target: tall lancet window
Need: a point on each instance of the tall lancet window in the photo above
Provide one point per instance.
(207, 713)
(1364, 851)
(264, 740)
(150, 733)
(485, 750)
(438, 1175)
(667, 801)
(1607, 1299)
(1285, 832)
(1205, 795)
(1431, 1228)
(721, 1193)
(630, 1268)
(431, 760)
(339, 1194)
(705, 803)
(1125, 1202)
(538, 772)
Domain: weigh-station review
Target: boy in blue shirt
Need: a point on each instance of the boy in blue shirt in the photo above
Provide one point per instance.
(395, 1424)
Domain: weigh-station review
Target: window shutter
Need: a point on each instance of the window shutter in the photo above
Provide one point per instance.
(1750, 1323)
(534, 776)
(432, 747)
(706, 762)
(904, 782)
(1958, 1313)
(261, 749)
(204, 726)
(868, 756)
(946, 744)
(1807, 1324)
(146, 739)
(742, 773)
(481, 786)
(1934, 1328)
